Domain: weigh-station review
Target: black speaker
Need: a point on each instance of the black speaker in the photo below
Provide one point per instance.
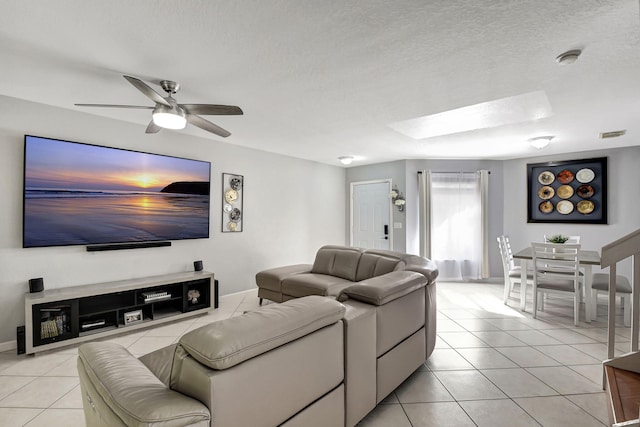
(20, 340)
(215, 294)
(197, 265)
(36, 285)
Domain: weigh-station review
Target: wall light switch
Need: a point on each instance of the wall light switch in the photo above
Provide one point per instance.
(397, 225)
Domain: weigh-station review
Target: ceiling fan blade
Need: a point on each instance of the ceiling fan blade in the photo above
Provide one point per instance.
(207, 125)
(152, 128)
(115, 106)
(212, 109)
(147, 91)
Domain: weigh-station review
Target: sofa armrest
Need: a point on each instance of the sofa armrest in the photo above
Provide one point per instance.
(424, 266)
(117, 382)
(382, 289)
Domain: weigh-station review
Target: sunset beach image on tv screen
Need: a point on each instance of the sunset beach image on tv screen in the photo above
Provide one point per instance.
(82, 194)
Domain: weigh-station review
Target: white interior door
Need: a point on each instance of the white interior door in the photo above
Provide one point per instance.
(370, 213)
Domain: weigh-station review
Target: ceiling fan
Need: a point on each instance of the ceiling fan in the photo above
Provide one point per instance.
(168, 114)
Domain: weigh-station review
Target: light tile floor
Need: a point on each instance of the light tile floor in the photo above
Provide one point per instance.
(493, 366)
(496, 366)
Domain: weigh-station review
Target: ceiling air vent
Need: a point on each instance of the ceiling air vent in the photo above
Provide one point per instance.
(614, 134)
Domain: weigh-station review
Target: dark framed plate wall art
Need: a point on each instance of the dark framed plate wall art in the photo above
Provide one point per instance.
(232, 195)
(572, 191)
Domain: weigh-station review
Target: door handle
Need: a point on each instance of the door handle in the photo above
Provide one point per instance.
(386, 232)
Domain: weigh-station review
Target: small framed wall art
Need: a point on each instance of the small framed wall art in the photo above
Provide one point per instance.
(573, 191)
(232, 193)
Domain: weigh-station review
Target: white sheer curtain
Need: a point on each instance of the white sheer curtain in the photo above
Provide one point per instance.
(454, 223)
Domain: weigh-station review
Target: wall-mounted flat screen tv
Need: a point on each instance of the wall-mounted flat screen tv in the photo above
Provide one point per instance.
(83, 194)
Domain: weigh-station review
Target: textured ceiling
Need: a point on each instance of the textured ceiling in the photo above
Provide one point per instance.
(322, 79)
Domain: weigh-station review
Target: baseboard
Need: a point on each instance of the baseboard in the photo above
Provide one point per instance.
(240, 292)
(8, 346)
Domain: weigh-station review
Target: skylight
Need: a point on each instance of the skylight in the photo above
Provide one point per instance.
(500, 112)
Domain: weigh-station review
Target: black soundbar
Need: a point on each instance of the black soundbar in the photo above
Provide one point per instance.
(118, 246)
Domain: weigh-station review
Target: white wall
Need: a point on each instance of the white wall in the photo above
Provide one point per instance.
(623, 202)
(291, 207)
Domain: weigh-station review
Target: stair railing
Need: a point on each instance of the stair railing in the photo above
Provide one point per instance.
(623, 248)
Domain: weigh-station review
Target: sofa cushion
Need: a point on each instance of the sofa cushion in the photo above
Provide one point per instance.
(271, 279)
(372, 264)
(339, 261)
(302, 285)
(223, 344)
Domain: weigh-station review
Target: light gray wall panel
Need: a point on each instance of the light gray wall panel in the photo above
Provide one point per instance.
(291, 207)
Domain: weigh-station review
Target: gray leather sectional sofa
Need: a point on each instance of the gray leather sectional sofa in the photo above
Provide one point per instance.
(313, 360)
(390, 320)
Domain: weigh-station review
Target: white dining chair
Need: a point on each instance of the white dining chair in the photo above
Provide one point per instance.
(555, 270)
(512, 272)
(600, 284)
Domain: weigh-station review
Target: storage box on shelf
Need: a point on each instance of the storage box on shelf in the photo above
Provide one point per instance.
(63, 316)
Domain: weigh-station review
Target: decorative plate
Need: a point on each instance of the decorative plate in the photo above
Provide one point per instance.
(585, 191)
(546, 178)
(235, 215)
(585, 175)
(231, 195)
(564, 207)
(586, 206)
(227, 207)
(564, 176)
(564, 191)
(546, 192)
(232, 226)
(546, 207)
(235, 183)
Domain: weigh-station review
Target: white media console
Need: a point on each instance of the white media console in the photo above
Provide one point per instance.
(60, 317)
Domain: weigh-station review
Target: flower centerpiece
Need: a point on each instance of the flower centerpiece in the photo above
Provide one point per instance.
(557, 238)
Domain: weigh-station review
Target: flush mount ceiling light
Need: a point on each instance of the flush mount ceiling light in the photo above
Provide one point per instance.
(540, 141)
(568, 57)
(345, 160)
(500, 112)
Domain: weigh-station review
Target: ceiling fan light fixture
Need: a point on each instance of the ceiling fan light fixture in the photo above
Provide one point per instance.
(169, 118)
(540, 142)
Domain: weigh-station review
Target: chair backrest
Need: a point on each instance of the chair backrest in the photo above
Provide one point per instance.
(553, 262)
(504, 256)
(508, 251)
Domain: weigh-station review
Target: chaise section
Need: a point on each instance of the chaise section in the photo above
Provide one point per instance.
(270, 281)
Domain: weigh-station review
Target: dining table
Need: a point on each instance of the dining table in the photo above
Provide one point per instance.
(587, 260)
